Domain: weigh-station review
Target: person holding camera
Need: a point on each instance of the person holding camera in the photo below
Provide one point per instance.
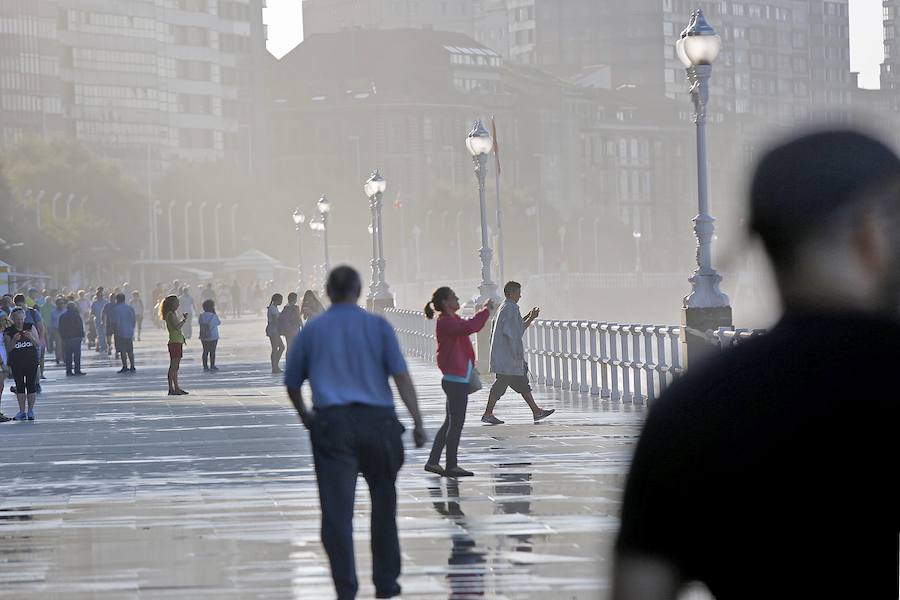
(176, 341)
(456, 360)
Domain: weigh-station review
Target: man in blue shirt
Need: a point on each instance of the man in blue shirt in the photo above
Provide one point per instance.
(348, 355)
(124, 319)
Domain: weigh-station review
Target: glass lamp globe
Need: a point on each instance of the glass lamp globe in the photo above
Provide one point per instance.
(298, 217)
(699, 43)
(324, 205)
(375, 184)
(479, 140)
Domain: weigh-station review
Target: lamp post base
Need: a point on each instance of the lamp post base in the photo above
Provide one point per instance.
(377, 305)
(483, 345)
(695, 323)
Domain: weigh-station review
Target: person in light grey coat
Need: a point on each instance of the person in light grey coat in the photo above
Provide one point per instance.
(508, 355)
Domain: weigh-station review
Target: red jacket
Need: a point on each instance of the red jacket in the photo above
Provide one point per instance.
(454, 350)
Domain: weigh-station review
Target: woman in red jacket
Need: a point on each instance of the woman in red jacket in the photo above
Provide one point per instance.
(456, 360)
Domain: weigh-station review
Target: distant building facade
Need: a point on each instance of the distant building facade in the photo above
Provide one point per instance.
(403, 101)
(30, 84)
(781, 61)
(890, 68)
(148, 82)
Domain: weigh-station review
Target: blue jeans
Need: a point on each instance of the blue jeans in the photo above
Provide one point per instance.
(346, 441)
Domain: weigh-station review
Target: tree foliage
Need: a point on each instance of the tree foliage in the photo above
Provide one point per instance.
(112, 218)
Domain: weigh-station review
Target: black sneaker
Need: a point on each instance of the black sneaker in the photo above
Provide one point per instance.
(132, 369)
(4, 418)
(395, 591)
(455, 472)
(122, 370)
(79, 373)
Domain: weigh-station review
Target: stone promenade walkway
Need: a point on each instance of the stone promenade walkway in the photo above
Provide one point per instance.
(120, 491)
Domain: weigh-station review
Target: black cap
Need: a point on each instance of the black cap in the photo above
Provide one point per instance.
(799, 184)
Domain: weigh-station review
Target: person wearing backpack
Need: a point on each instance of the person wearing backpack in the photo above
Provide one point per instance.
(289, 322)
(209, 334)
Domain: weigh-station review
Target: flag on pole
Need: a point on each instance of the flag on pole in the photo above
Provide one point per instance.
(397, 201)
(496, 144)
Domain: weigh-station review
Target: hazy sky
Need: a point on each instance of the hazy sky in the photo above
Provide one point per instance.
(284, 18)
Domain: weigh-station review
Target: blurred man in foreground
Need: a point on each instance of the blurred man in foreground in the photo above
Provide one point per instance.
(767, 471)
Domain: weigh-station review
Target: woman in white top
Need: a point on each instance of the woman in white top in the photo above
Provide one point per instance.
(186, 302)
(209, 334)
(273, 332)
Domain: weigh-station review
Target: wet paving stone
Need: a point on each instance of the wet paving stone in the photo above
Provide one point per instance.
(120, 491)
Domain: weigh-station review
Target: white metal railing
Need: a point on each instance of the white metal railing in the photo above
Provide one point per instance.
(726, 337)
(415, 332)
(626, 362)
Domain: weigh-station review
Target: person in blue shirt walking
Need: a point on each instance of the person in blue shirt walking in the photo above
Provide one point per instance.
(122, 315)
(348, 356)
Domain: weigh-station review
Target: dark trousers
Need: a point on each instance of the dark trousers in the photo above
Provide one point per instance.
(73, 354)
(451, 430)
(209, 352)
(346, 441)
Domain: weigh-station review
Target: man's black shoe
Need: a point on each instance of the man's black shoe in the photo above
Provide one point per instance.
(80, 373)
(70, 374)
(394, 592)
(122, 370)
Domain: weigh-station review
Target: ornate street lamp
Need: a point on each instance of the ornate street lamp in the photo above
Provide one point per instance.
(479, 144)
(706, 307)
(299, 219)
(379, 293)
(324, 206)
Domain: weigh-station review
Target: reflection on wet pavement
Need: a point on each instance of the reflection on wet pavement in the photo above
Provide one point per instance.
(119, 491)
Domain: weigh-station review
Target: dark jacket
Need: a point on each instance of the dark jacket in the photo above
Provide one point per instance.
(71, 325)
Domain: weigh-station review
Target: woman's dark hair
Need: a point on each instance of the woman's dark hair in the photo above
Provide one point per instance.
(311, 304)
(209, 305)
(276, 299)
(292, 298)
(167, 306)
(436, 303)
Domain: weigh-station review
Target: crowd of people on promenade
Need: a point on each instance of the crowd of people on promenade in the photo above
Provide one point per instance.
(60, 324)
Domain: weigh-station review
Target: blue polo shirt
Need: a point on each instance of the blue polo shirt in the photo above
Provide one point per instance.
(347, 354)
(123, 317)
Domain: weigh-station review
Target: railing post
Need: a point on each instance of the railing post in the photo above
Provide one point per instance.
(624, 332)
(649, 364)
(593, 332)
(564, 353)
(541, 352)
(576, 351)
(548, 353)
(637, 363)
(603, 334)
(557, 372)
(614, 363)
(662, 366)
(674, 334)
